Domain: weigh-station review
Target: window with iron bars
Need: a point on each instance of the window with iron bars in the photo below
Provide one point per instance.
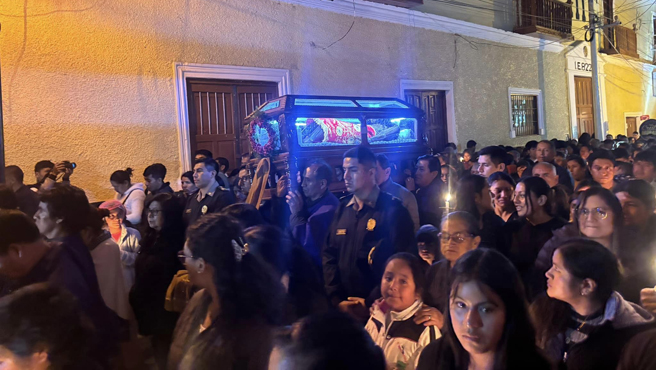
(525, 114)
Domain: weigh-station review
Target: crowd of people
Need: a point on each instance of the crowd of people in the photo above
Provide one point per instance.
(534, 257)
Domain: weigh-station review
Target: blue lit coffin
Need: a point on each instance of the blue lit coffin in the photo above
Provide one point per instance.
(300, 128)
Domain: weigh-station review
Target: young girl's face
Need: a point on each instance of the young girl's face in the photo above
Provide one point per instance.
(398, 286)
(478, 316)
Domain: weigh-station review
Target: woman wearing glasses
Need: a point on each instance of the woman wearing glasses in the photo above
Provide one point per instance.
(127, 238)
(228, 324)
(459, 234)
(526, 236)
(155, 267)
(598, 217)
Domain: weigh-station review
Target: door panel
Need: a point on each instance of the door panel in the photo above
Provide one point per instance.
(584, 107)
(631, 126)
(219, 109)
(433, 103)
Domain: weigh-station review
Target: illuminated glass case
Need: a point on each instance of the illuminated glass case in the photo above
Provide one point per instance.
(315, 122)
(325, 127)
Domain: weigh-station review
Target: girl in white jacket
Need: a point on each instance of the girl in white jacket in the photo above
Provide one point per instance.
(132, 196)
(392, 325)
(127, 238)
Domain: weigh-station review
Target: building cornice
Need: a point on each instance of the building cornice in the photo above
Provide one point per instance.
(414, 18)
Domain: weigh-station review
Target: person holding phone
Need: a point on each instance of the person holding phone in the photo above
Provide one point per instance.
(312, 208)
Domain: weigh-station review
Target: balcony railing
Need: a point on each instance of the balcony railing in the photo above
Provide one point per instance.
(624, 40)
(544, 16)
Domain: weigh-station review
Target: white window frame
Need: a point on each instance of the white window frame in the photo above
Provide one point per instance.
(520, 91)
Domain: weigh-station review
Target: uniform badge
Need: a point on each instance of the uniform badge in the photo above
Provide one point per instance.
(203, 210)
(371, 224)
(341, 231)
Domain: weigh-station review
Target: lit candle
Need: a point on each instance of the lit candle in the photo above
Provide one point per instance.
(447, 199)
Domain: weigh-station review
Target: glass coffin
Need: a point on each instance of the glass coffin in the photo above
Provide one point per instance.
(330, 131)
(392, 130)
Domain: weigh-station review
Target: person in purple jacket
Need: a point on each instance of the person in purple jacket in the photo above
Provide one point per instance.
(312, 212)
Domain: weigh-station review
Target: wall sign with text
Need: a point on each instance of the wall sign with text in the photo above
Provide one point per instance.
(583, 66)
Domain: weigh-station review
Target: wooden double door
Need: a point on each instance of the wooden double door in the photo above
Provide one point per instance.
(217, 109)
(584, 105)
(433, 103)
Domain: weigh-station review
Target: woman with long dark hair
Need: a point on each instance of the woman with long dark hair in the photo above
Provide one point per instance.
(525, 237)
(488, 325)
(502, 191)
(473, 196)
(155, 267)
(293, 267)
(229, 323)
(583, 322)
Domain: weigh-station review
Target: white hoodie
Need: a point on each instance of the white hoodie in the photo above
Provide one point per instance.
(133, 200)
(400, 338)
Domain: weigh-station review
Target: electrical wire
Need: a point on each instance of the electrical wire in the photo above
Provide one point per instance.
(347, 32)
(640, 73)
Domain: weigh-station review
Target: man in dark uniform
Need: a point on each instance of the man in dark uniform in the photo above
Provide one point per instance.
(369, 226)
(210, 197)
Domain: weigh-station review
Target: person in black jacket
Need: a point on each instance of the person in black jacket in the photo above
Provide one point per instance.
(429, 195)
(488, 325)
(28, 201)
(526, 237)
(155, 267)
(211, 196)
(369, 227)
(583, 322)
(473, 196)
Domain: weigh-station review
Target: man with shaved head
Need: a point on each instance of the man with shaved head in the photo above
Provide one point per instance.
(546, 152)
(547, 171)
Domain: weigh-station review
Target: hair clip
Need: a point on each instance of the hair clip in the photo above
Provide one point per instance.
(240, 248)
